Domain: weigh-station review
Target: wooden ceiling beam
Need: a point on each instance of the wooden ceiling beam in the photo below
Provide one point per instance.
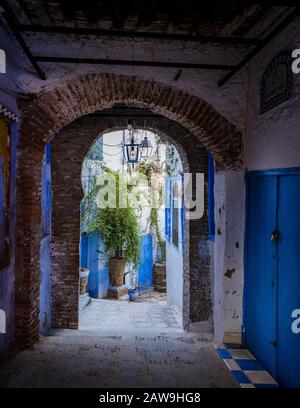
(135, 63)
(137, 34)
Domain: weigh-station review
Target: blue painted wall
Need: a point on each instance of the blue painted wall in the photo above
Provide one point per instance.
(145, 266)
(7, 274)
(211, 197)
(84, 250)
(45, 284)
(92, 257)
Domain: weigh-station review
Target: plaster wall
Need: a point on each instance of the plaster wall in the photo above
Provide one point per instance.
(174, 260)
(174, 268)
(228, 100)
(272, 139)
(229, 256)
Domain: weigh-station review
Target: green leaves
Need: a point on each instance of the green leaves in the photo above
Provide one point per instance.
(120, 232)
(119, 229)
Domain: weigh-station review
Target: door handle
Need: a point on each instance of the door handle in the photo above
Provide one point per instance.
(275, 236)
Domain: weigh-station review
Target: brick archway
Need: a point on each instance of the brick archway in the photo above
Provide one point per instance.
(69, 149)
(50, 112)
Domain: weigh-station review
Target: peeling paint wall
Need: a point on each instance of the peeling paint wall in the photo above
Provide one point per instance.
(218, 250)
(229, 255)
(234, 254)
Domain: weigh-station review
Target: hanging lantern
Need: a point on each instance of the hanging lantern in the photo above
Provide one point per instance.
(132, 151)
(146, 148)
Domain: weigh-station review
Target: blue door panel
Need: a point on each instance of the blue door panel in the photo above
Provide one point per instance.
(288, 358)
(98, 280)
(145, 266)
(168, 210)
(84, 249)
(260, 288)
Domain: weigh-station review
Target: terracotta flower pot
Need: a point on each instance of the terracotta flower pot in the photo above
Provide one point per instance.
(116, 271)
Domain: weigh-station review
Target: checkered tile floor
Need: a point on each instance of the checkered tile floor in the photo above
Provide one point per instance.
(248, 372)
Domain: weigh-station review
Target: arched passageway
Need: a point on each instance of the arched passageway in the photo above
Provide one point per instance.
(69, 149)
(187, 120)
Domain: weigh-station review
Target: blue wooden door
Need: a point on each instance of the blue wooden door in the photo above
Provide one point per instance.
(288, 353)
(145, 266)
(260, 282)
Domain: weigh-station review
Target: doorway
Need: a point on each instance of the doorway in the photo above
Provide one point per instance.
(150, 292)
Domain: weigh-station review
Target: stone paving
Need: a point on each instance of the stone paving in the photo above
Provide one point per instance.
(72, 359)
(150, 312)
(120, 344)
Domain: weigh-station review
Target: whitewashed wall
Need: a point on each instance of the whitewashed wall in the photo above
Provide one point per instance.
(272, 139)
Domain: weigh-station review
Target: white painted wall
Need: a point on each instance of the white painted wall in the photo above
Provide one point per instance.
(174, 266)
(227, 100)
(174, 262)
(228, 251)
(112, 150)
(272, 139)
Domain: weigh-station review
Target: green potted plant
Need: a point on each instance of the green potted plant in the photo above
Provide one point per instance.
(120, 233)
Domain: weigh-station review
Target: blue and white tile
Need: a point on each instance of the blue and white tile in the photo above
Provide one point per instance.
(247, 371)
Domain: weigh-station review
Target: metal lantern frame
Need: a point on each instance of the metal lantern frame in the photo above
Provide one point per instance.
(142, 150)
